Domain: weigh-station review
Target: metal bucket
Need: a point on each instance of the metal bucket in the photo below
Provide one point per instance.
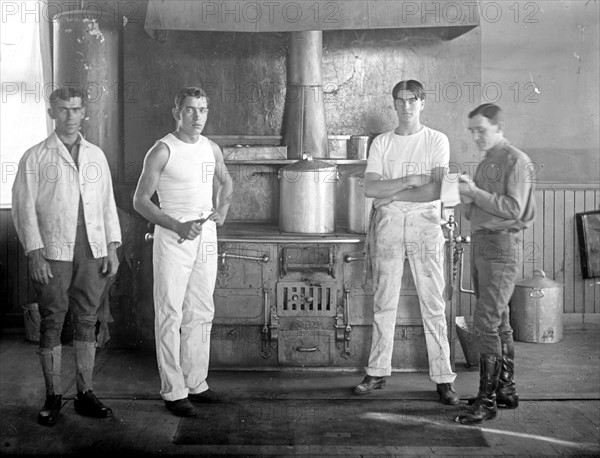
(359, 206)
(32, 320)
(536, 314)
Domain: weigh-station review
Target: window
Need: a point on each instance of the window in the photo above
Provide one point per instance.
(23, 119)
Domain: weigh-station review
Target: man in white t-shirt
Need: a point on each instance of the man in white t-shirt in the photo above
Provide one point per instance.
(403, 175)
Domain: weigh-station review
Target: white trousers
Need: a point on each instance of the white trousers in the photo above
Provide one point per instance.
(415, 233)
(184, 283)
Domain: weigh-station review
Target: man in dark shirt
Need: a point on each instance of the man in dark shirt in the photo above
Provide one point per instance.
(500, 203)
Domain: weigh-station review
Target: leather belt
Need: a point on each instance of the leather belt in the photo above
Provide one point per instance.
(496, 231)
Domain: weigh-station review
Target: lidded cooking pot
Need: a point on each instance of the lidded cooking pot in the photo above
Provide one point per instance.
(536, 309)
(307, 195)
(359, 206)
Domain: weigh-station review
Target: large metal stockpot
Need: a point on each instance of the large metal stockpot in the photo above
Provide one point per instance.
(359, 206)
(536, 309)
(307, 191)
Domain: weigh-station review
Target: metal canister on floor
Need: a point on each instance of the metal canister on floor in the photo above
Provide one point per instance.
(536, 314)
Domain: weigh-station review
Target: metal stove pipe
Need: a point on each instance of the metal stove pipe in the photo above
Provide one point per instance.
(305, 128)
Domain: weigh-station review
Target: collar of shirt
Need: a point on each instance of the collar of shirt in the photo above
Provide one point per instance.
(498, 147)
(74, 146)
(54, 142)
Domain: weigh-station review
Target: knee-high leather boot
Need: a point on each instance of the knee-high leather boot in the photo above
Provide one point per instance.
(506, 394)
(484, 407)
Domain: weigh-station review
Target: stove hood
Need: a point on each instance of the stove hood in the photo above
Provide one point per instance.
(298, 16)
(305, 121)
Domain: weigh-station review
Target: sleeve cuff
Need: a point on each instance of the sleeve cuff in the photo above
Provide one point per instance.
(33, 247)
(478, 195)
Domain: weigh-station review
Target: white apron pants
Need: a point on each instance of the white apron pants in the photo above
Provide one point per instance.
(184, 283)
(414, 233)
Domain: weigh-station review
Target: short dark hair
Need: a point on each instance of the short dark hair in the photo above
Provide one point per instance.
(488, 110)
(66, 93)
(191, 91)
(409, 85)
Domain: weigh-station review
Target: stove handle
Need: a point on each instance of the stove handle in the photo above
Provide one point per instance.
(349, 258)
(149, 237)
(263, 258)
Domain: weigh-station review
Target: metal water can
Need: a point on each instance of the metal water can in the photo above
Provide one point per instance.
(359, 206)
(536, 314)
(358, 147)
(307, 196)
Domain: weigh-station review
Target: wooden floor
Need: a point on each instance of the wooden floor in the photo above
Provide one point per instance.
(559, 414)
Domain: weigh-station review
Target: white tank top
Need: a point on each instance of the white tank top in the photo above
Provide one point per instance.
(185, 186)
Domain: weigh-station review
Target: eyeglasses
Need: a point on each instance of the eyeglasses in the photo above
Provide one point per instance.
(410, 101)
(202, 111)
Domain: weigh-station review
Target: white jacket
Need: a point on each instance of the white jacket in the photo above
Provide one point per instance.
(45, 199)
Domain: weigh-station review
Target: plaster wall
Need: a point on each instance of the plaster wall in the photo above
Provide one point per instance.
(543, 57)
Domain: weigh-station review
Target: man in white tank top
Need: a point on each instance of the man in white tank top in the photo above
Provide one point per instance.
(404, 174)
(189, 175)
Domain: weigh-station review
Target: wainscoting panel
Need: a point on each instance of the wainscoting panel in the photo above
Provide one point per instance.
(15, 286)
(551, 244)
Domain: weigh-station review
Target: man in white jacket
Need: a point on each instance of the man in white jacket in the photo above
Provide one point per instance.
(65, 215)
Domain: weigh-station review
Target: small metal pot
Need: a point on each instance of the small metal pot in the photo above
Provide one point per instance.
(359, 206)
(307, 195)
(358, 146)
(536, 309)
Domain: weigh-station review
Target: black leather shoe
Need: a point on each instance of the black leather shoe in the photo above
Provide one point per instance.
(447, 394)
(369, 384)
(181, 408)
(88, 405)
(48, 416)
(206, 397)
